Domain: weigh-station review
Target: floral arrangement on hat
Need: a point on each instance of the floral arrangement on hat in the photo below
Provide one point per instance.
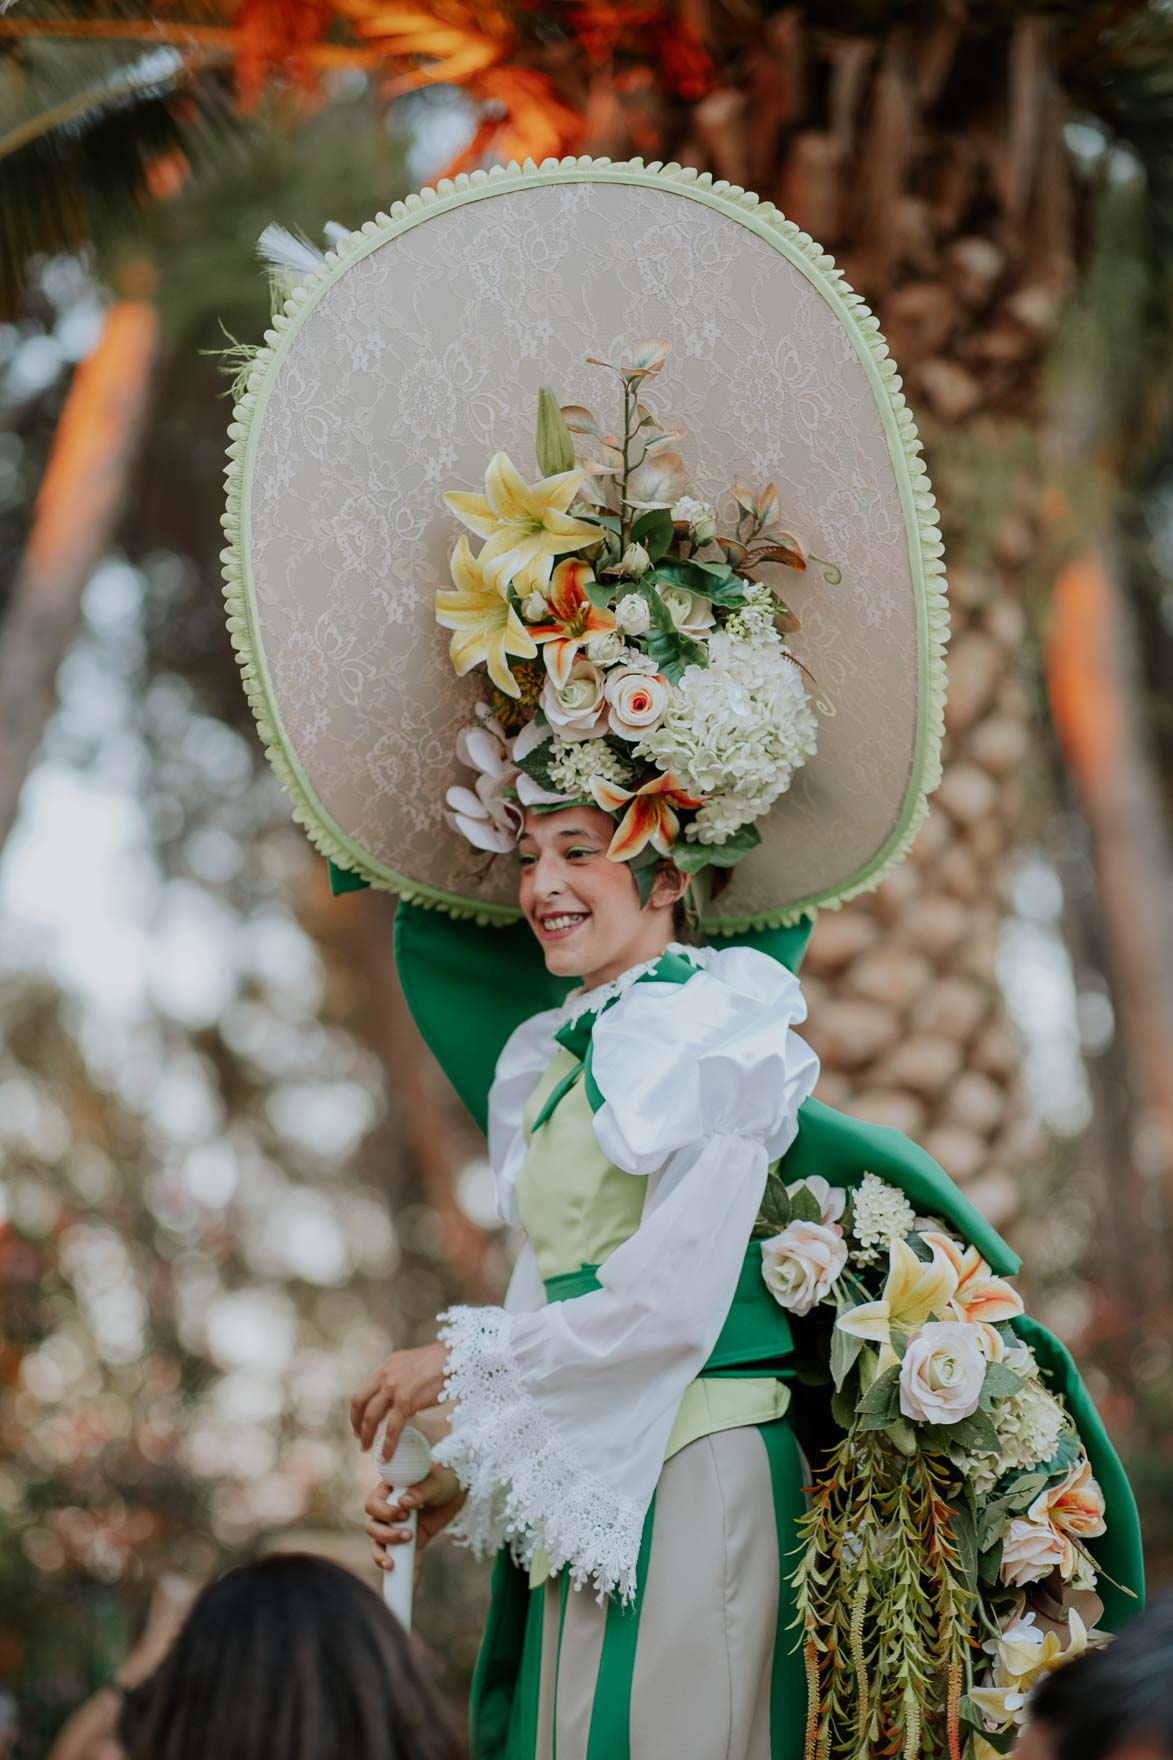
(635, 661)
(956, 1507)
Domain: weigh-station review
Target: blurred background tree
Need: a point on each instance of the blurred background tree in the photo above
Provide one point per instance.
(997, 181)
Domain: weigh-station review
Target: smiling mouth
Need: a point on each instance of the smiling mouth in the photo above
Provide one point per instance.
(557, 928)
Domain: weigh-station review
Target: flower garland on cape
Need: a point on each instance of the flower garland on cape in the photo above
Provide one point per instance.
(952, 1515)
(635, 662)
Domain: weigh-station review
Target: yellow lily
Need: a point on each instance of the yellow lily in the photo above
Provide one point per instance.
(912, 1293)
(525, 526)
(486, 625)
(1022, 1656)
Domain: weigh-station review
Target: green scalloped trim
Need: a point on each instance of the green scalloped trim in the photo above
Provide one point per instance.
(920, 511)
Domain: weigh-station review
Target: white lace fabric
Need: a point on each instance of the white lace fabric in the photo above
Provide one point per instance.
(563, 1409)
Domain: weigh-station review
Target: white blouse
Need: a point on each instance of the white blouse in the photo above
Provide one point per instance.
(564, 1409)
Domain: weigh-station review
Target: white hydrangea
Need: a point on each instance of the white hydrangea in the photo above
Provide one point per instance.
(736, 730)
(573, 763)
(881, 1214)
(1028, 1424)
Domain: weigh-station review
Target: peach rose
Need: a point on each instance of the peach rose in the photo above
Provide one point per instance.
(801, 1263)
(575, 710)
(637, 701)
(942, 1373)
(1032, 1550)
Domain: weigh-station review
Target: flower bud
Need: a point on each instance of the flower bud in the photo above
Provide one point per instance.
(632, 614)
(534, 608)
(607, 648)
(704, 531)
(636, 561)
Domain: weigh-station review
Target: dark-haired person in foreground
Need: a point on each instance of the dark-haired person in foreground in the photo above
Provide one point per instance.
(1114, 1703)
(292, 1658)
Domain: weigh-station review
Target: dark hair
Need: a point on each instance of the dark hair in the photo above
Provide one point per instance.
(291, 1658)
(1109, 1698)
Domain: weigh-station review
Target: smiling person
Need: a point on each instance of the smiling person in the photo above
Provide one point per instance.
(612, 798)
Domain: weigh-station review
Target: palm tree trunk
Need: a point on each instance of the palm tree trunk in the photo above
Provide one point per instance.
(79, 501)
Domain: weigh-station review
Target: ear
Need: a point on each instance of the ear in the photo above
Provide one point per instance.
(669, 886)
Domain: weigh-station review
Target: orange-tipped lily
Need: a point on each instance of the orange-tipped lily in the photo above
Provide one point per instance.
(649, 818)
(486, 625)
(524, 525)
(574, 621)
(981, 1298)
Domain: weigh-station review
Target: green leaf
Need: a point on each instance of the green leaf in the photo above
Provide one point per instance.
(990, 1564)
(536, 765)
(655, 531)
(554, 447)
(669, 650)
(975, 1432)
(845, 1349)
(690, 858)
(600, 593)
(881, 1403)
(964, 1525)
(738, 844)
(709, 580)
(775, 1206)
(1000, 1383)
(804, 1206)
(843, 1403)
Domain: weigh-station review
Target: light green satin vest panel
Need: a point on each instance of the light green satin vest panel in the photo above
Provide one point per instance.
(575, 1205)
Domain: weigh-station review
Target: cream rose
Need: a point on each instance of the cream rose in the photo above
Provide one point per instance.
(637, 701)
(801, 1263)
(632, 614)
(942, 1373)
(607, 648)
(1031, 1551)
(691, 614)
(576, 710)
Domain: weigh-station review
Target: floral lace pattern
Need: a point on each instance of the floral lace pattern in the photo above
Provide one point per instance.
(357, 425)
(525, 1488)
(584, 1001)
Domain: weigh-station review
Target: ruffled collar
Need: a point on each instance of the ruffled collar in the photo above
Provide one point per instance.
(583, 1001)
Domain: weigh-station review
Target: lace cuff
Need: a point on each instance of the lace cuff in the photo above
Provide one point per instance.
(525, 1486)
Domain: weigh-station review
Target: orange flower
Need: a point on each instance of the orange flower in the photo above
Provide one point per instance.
(649, 817)
(1075, 1505)
(980, 1298)
(575, 620)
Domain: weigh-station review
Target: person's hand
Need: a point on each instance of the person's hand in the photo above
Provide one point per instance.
(409, 1382)
(438, 1498)
(169, 1606)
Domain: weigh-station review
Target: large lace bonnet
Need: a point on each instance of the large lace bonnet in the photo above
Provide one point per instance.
(417, 349)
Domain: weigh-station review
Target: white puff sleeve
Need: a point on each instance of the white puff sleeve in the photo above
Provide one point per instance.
(563, 1413)
(528, 1052)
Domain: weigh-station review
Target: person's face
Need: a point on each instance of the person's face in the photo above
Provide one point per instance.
(583, 907)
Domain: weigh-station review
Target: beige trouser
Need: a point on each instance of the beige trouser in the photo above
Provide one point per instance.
(701, 1687)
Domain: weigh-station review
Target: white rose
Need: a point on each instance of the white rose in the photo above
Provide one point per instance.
(831, 1200)
(632, 614)
(801, 1263)
(534, 608)
(942, 1373)
(637, 701)
(689, 612)
(636, 561)
(576, 710)
(1031, 1550)
(607, 648)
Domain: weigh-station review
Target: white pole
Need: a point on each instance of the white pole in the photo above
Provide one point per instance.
(410, 1463)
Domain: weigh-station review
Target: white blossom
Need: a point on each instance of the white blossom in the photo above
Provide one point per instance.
(735, 731)
(572, 765)
(881, 1215)
(632, 615)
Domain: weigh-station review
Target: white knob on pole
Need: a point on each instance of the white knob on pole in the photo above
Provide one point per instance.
(410, 1463)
